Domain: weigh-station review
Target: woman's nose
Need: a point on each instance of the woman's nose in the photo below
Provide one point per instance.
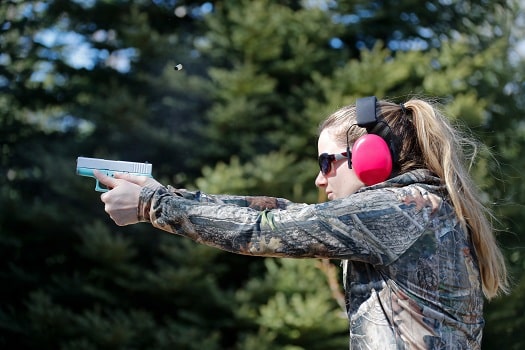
(320, 180)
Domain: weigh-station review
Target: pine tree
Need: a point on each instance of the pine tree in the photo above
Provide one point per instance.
(241, 118)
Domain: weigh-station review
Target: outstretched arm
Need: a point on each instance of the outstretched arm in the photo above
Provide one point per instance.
(373, 226)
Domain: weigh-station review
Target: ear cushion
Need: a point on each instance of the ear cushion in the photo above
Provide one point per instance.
(371, 159)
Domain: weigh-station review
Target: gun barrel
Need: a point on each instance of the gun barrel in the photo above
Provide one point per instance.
(114, 165)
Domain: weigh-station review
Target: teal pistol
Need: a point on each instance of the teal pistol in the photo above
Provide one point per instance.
(86, 166)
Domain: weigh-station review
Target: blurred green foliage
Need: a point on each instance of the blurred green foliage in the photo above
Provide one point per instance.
(96, 79)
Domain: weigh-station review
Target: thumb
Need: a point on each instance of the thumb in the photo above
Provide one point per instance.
(105, 179)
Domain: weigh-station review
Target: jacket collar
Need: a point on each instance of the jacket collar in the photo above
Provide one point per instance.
(418, 176)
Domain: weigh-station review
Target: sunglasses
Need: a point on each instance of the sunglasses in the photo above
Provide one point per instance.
(326, 160)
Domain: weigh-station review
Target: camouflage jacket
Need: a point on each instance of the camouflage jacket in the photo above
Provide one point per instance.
(410, 272)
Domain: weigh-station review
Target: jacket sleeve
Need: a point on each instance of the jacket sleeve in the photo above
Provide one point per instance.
(372, 226)
(254, 202)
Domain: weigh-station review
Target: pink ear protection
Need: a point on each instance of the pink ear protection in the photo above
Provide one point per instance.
(372, 154)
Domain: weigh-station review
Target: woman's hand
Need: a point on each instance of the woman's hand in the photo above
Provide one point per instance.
(121, 202)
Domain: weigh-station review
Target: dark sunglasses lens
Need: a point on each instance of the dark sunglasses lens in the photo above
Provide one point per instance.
(325, 163)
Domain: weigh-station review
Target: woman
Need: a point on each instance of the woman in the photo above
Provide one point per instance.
(404, 216)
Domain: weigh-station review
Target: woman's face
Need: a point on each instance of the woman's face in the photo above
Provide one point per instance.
(340, 181)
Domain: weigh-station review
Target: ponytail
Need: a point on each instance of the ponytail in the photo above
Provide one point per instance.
(441, 149)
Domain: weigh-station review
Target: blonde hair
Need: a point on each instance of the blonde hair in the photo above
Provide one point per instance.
(438, 147)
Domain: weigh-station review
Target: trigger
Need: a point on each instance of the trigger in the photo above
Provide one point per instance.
(100, 188)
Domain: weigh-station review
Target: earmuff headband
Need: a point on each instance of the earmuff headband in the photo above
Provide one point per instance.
(366, 112)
